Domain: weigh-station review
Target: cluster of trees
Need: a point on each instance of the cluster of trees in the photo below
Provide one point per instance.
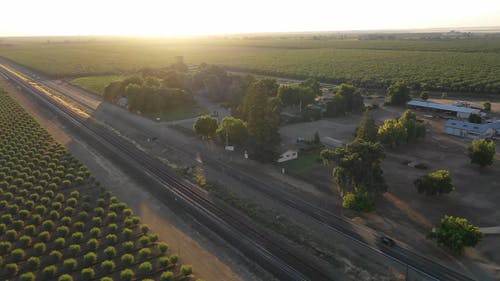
(153, 90)
(358, 172)
(299, 95)
(256, 122)
(56, 223)
(403, 130)
(346, 99)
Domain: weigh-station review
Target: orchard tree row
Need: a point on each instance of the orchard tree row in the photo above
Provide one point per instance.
(57, 223)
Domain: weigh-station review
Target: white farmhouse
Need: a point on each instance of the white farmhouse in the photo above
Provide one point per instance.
(288, 155)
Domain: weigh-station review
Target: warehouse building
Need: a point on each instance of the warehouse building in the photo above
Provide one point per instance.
(472, 130)
(459, 112)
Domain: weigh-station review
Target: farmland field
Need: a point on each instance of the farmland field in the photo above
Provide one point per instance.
(57, 223)
(465, 65)
(95, 84)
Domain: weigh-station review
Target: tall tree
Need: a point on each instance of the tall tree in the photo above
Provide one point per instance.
(262, 111)
(482, 152)
(367, 129)
(205, 126)
(398, 93)
(358, 167)
(234, 129)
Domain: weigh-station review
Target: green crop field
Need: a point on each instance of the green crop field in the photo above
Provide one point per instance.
(56, 223)
(95, 84)
(465, 65)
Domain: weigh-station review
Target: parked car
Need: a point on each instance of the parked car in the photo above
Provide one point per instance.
(387, 241)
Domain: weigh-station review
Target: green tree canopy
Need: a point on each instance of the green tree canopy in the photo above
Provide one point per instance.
(456, 233)
(436, 183)
(424, 95)
(482, 152)
(262, 115)
(235, 128)
(358, 167)
(205, 126)
(398, 93)
(367, 129)
(487, 106)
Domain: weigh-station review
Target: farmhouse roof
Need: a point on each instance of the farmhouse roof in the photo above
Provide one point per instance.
(440, 106)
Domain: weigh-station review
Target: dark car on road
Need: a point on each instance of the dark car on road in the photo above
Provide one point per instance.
(387, 241)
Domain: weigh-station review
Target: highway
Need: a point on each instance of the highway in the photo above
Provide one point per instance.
(426, 268)
(256, 243)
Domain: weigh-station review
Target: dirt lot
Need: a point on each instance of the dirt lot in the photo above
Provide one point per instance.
(408, 216)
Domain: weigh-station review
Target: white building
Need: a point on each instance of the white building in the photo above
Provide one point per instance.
(471, 130)
(288, 155)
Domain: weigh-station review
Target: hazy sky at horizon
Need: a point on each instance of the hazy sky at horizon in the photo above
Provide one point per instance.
(194, 17)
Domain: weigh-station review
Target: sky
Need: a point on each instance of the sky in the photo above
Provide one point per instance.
(200, 17)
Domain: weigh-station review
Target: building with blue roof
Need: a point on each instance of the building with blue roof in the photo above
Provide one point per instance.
(458, 111)
(472, 130)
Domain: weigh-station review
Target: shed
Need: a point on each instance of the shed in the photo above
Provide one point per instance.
(460, 112)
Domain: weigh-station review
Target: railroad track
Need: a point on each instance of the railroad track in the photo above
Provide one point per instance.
(271, 254)
(425, 267)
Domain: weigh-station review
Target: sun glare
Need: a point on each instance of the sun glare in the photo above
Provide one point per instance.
(192, 17)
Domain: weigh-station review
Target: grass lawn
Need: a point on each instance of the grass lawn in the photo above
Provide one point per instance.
(95, 84)
(178, 113)
(305, 161)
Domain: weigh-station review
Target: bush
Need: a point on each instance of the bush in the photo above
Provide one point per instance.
(145, 228)
(56, 256)
(28, 276)
(29, 230)
(40, 248)
(128, 259)
(145, 268)
(48, 225)
(79, 226)
(49, 272)
(96, 221)
(127, 233)
(108, 266)
(144, 240)
(163, 247)
(482, 152)
(87, 273)
(5, 247)
(62, 231)
(110, 252)
(128, 246)
(90, 258)
(187, 270)
(163, 261)
(112, 216)
(74, 249)
(65, 277)
(95, 232)
(76, 237)
(93, 244)
(106, 279)
(112, 227)
(33, 263)
(173, 259)
(358, 201)
(12, 269)
(145, 253)
(18, 254)
(11, 235)
(126, 274)
(436, 183)
(44, 236)
(456, 234)
(70, 264)
(111, 238)
(167, 276)
(25, 241)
